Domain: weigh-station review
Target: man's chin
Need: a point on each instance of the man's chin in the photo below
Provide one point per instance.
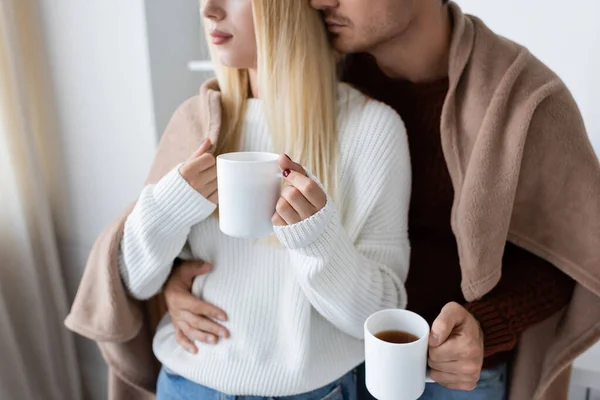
(342, 46)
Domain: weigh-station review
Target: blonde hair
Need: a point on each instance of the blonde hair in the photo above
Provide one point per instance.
(297, 83)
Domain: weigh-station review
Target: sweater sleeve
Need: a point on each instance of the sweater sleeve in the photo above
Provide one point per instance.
(156, 232)
(530, 291)
(354, 265)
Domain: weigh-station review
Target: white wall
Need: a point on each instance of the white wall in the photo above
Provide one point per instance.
(174, 38)
(564, 35)
(100, 72)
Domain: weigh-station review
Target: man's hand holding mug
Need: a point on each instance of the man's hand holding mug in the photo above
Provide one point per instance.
(399, 346)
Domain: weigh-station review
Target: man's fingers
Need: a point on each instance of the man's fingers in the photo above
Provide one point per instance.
(452, 381)
(457, 348)
(184, 342)
(204, 147)
(199, 308)
(470, 370)
(202, 308)
(204, 324)
(194, 334)
(178, 292)
(188, 270)
(451, 316)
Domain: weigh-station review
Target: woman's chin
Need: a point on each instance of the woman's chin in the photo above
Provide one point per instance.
(231, 62)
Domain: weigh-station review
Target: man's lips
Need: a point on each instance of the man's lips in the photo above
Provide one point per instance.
(334, 25)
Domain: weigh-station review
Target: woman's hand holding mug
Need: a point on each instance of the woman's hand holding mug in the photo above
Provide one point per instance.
(301, 198)
(200, 172)
(251, 200)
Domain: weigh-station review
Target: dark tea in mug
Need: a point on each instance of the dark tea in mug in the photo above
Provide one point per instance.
(396, 337)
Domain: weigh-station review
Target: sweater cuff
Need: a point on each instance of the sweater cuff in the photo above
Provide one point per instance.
(306, 232)
(180, 202)
(497, 335)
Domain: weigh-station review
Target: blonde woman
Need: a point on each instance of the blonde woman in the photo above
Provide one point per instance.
(297, 307)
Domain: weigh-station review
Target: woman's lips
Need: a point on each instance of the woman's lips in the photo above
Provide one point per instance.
(219, 37)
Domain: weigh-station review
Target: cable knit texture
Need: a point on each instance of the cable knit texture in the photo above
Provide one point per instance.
(304, 233)
(158, 227)
(296, 311)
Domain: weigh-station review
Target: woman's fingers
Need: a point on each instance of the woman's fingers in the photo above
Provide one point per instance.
(298, 202)
(287, 212)
(309, 188)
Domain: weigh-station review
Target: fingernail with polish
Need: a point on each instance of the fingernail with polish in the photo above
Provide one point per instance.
(286, 173)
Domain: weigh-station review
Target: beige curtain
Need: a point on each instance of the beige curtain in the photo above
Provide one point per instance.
(37, 356)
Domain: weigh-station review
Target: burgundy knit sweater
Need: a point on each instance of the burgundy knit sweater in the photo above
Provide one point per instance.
(530, 289)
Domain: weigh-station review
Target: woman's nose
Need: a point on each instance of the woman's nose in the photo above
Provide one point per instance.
(212, 9)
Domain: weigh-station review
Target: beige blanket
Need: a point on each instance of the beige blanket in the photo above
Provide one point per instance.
(523, 169)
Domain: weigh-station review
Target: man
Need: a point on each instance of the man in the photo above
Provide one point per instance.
(405, 53)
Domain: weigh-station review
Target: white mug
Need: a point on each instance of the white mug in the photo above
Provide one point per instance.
(396, 371)
(249, 186)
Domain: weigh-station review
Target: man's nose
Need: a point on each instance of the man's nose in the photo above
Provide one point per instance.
(324, 4)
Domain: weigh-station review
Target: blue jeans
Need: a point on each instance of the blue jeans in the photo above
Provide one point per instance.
(491, 386)
(175, 387)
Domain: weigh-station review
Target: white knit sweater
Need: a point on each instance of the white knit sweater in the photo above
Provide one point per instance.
(296, 311)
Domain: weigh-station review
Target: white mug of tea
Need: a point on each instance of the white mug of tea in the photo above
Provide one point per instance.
(396, 343)
(249, 186)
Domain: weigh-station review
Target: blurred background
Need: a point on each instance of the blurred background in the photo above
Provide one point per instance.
(86, 88)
